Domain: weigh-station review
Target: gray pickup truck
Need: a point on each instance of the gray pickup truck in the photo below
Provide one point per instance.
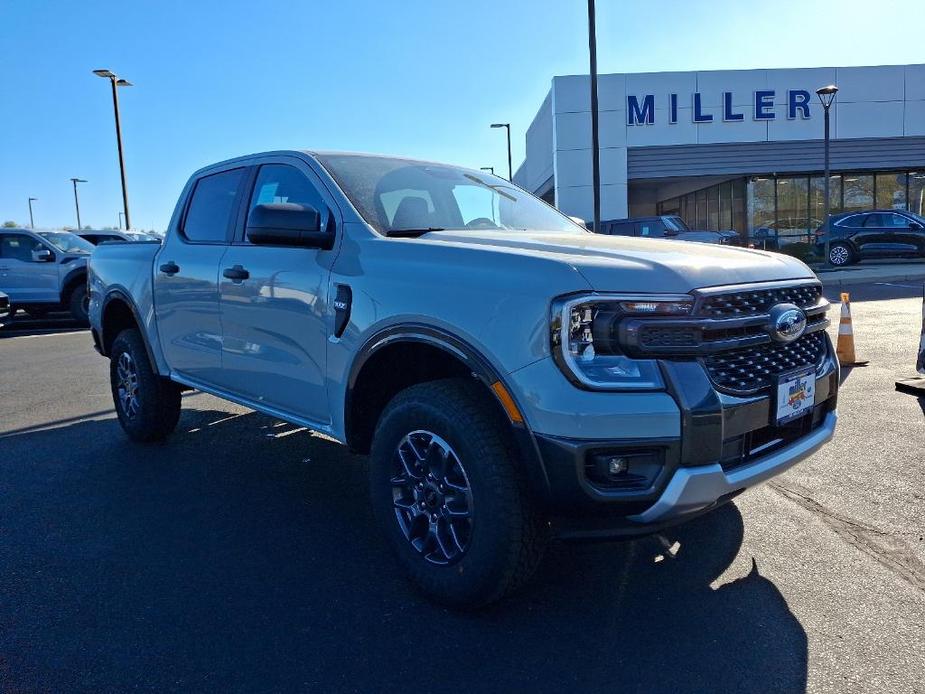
(512, 376)
(44, 271)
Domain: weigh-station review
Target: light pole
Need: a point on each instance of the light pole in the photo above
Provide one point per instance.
(510, 172)
(120, 220)
(75, 181)
(827, 96)
(595, 137)
(490, 169)
(116, 83)
(31, 220)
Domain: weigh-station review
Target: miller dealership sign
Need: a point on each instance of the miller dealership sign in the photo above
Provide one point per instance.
(642, 111)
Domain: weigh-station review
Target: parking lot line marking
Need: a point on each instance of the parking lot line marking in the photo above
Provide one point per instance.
(892, 284)
(52, 334)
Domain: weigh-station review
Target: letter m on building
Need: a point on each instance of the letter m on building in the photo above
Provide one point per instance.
(644, 115)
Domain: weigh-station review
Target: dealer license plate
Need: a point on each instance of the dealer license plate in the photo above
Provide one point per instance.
(795, 394)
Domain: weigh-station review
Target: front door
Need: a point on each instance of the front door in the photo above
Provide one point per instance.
(274, 304)
(186, 278)
(23, 276)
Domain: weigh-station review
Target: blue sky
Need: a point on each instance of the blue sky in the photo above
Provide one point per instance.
(218, 79)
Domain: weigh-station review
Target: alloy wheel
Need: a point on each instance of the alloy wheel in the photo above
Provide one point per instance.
(839, 255)
(431, 497)
(127, 385)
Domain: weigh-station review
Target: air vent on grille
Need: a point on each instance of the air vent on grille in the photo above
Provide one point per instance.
(751, 369)
(756, 301)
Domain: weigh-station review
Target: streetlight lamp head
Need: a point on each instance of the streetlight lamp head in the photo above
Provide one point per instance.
(32, 199)
(123, 83)
(827, 94)
(500, 125)
(78, 180)
(108, 74)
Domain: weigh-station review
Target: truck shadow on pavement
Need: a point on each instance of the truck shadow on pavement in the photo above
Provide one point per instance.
(241, 556)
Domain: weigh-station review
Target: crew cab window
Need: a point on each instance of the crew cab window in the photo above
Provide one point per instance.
(651, 229)
(18, 247)
(211, 209)
(282, 183)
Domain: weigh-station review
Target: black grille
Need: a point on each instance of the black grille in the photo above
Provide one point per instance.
(757, 301)
(652, 336)
(752, 369)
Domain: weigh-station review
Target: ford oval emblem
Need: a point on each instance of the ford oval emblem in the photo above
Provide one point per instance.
(788, 323)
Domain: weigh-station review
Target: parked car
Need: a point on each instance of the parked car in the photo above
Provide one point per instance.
(44, 271)
(6, 313)
(876, 234)
(668, 226)
(98, 236)
(512, 376)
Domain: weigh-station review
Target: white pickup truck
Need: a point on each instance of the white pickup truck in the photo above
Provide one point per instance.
(512, 376)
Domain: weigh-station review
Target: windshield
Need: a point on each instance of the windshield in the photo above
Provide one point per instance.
(396, 195)
(140, 236)
(66, 242)
(676, 224)
(917, 217)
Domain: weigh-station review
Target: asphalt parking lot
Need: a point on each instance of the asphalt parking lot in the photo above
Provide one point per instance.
(241, 556)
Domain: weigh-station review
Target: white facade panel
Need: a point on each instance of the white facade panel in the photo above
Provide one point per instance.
(748, 130)
(870, 119)
(808, 78)
(663, 133)
(865, 84)
(914, 119)
(915, 82)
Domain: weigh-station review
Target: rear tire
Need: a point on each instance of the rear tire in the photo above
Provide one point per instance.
(468, 561)
(147, 405)
(79, 303)
(841, 254)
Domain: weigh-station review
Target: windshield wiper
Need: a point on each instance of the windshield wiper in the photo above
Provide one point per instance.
(412, 233)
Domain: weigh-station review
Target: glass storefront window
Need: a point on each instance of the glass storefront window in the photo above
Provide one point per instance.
(917, 192)
(859, 192)
(738, 206)
(700, 219)
(891, 191)
(725, 206)
(817, 198)
(793, 223)
(761, 207)
(713, 208)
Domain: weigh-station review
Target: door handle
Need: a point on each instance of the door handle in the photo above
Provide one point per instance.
(236, 274)
(170, 268)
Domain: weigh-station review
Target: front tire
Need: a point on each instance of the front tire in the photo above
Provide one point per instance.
(446, 489)
(79, 303)
(147, 405)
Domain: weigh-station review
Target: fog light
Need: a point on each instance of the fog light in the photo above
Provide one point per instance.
(617, 465)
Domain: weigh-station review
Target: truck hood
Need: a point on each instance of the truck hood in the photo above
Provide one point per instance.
(620, 263)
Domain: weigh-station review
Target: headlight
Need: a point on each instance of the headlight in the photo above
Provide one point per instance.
(584, 334)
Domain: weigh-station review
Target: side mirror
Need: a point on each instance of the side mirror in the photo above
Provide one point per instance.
(671, 232)
(42, 255)
(915, 225)
(287, 224)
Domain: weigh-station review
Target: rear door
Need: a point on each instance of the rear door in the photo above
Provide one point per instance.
(274, 302)
(22, 276)
(186, 275)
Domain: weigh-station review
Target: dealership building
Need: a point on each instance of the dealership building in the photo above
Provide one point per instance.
(738, 149)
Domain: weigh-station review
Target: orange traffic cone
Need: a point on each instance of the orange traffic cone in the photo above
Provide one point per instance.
(845, 347)
(916, 386)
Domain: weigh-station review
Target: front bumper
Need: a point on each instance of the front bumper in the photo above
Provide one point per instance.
(724, 445)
